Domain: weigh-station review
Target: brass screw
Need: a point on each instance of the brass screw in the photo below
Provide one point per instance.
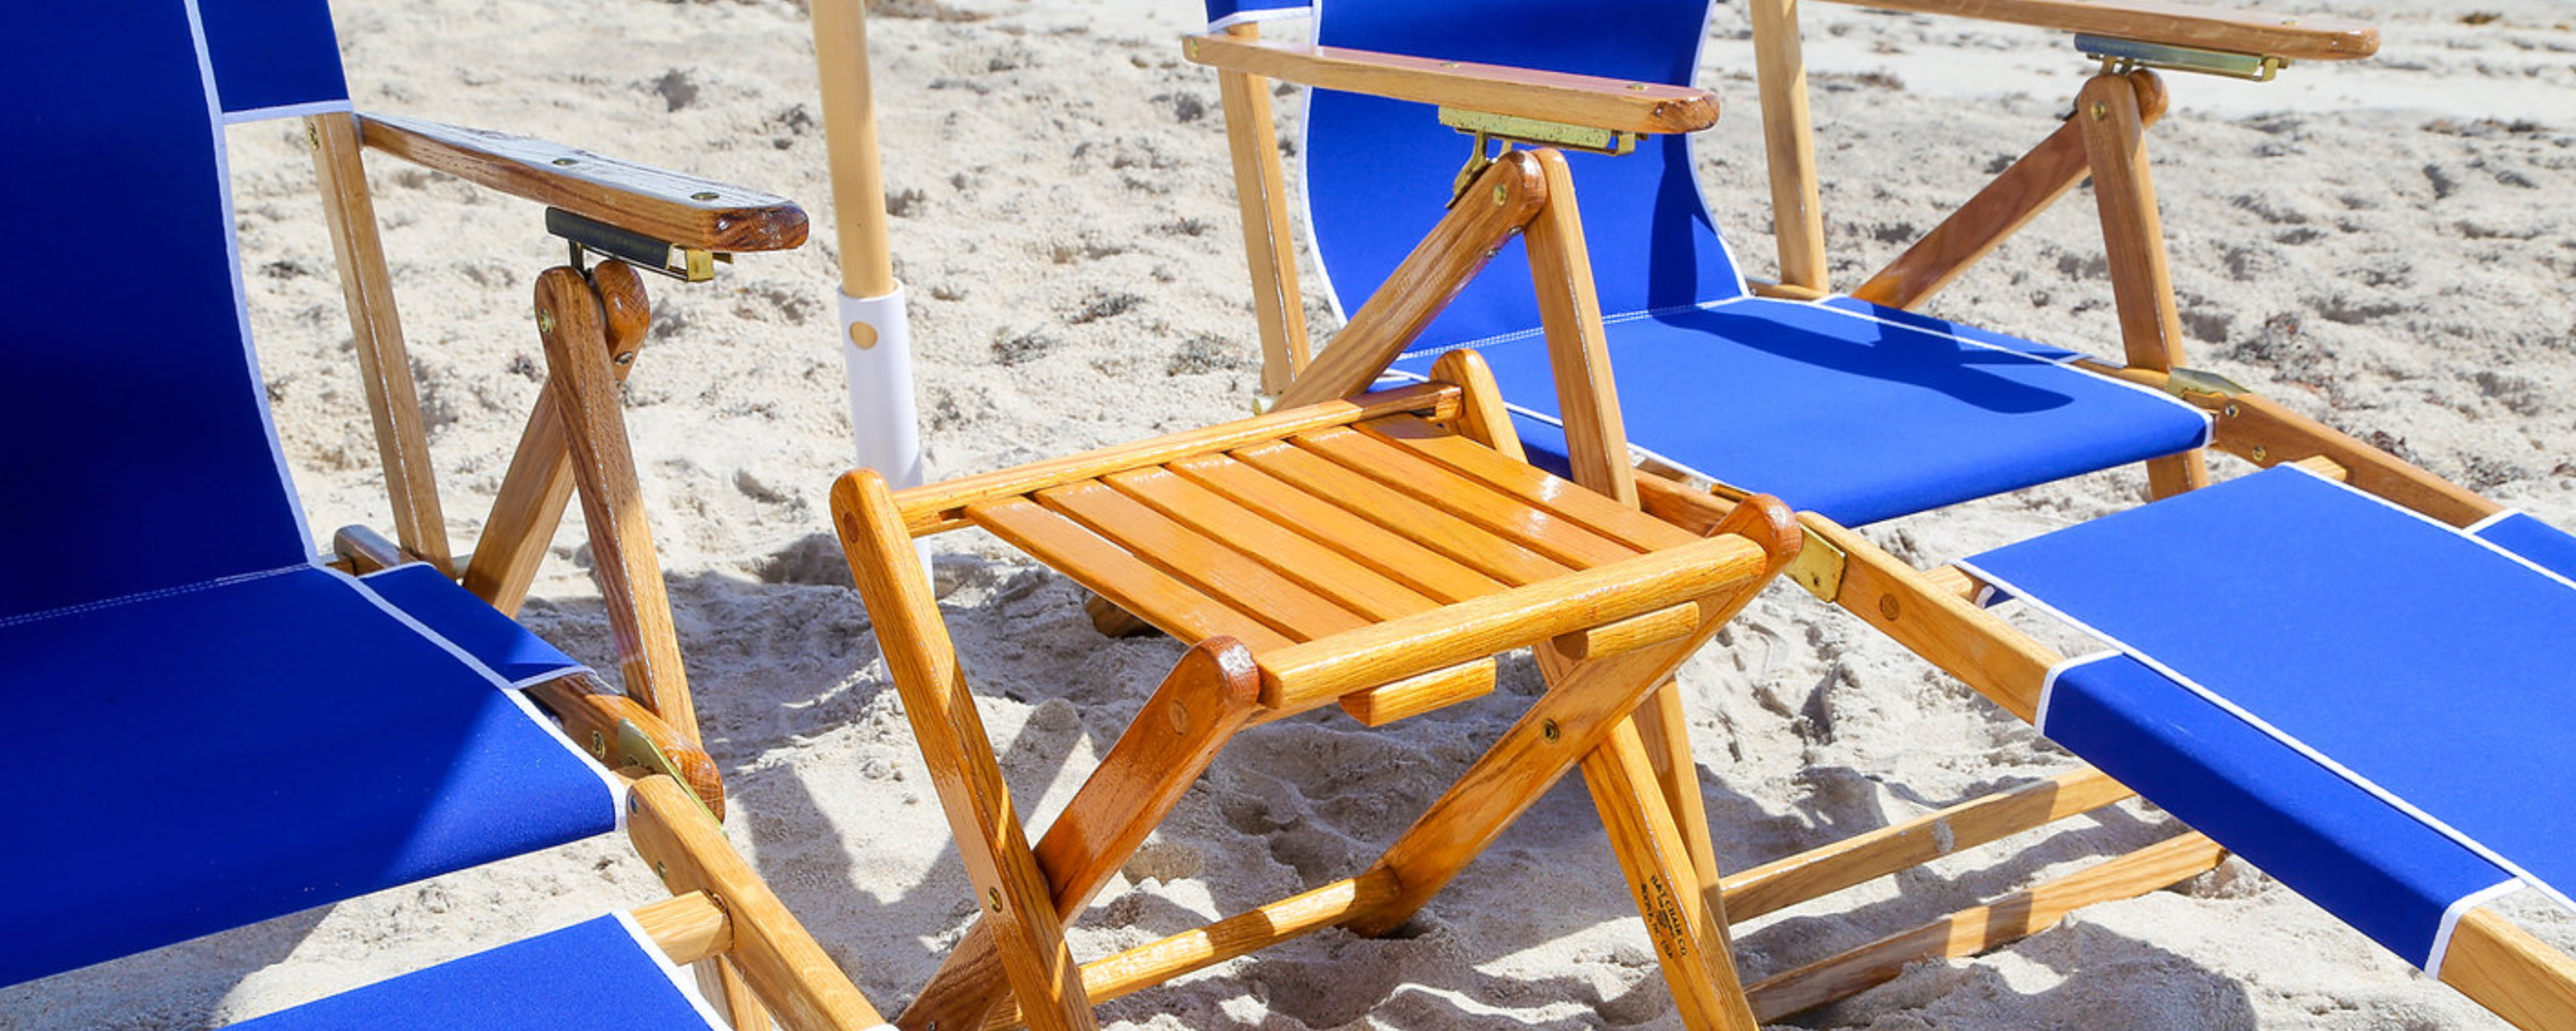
(598, 745)
(566, 162)
(2231, 410)
(312, 134)
(1639, 87)
(634, 804)
(625, 358)
(1448, 64)
(1548, 729)
(662, 870)
(1499, 195)
(993, 897)
(545, 320)
(2260, 452)
(704, 195)
(1193, 47)
(2101, 110)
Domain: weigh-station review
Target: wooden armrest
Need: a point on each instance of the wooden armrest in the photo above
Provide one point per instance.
(1615, 104)
(679, 209)
(2301, 38)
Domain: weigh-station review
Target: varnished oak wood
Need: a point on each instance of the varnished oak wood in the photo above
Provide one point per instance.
(1789, 145)
(1239, 935)
(1313, 565)
(2265, 432)
(2006, 204)
(1175, 607)
(580, 379)
(850, 137)
(1009, 887)
(2301, 37)
(1482, 415)
(1862, 857)
(365, 551)
(1208, 564)
(1207, 697)
(1495, 207)
(1307, 674)
(667, 206)
(1617, 104)
(1540, 530)
(688, 851)
(1975, 930)
(1690, 938)
(1415, 695)
(1399, 558)
(384, 363)
(539, 482)
(1261, 199)
(1578, 349)
(2510, 972)
(2133, 241)
(1628, 634)
(591, 710)
(933, 508)
(687, 927)
(1564, 725)
(1448, 533)
(1600, 515)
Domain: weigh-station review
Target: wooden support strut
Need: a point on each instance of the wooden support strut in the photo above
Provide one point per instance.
(539, 482)
(1261, 197)
(1010, 887)
(1210, 695)
(1789, 144)
(384, 365)
(2133, 239)
(573, 323)
(2002, 208)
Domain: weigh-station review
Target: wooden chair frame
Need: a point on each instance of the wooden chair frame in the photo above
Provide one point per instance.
(592, 322)
(2104, 139)
(1608, 635)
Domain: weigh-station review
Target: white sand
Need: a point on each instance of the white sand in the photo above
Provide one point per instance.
(2389, 246)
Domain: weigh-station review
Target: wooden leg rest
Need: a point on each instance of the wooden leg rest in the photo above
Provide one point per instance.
(591, 711)
(1971, 931)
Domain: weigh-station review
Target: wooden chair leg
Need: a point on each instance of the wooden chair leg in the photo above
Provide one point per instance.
(2133, 238)
(1213, 693)
(1017, 902)
(1690, 937)
(723, 986)
(573, 320)
(539, 482)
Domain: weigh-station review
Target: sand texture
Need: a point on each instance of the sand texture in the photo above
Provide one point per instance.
(2388, 246)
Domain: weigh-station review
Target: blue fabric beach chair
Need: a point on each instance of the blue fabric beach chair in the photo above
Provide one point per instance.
(2318, 717)
(225, 728)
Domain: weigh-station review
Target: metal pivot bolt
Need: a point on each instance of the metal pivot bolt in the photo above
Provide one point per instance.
(598, 744)
(2101, 110)
(546, 321)
(993, 898)
(1548, 730)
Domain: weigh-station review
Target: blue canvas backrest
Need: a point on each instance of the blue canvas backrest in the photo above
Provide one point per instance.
(1378, 171)
(133, 425)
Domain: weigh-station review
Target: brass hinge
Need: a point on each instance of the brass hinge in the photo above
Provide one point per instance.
(1818, 567)
(1489, 128)
(2120, 56)
(637, 747)
(2187, 382)
(589, 235)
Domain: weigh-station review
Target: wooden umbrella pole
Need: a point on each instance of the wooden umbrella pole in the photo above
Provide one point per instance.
(876, 344)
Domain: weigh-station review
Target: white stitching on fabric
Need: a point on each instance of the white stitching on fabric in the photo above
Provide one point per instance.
(144, 596)
(2451, 915)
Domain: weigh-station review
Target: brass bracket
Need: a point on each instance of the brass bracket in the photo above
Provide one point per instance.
(638, 748)
(1488, 128)
(2187, 382)
(589, 235)
(2121, 56)
(1818, 567)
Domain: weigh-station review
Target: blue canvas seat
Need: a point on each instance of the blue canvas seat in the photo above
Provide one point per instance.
(218, 726)
(1866, 412)
(2374, 710)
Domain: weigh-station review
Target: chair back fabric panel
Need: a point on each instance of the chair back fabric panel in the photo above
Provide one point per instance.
(274, 57)
(222, 756)
(2415, 657)
(133, 427)
(2546, 546)
(594, 974)
(1378, 171)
